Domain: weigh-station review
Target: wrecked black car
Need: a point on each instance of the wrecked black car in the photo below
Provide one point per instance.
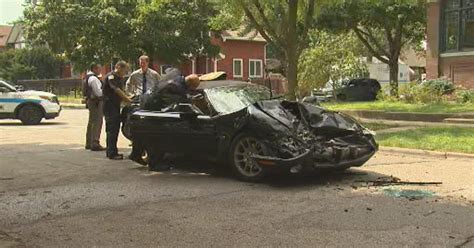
(239, 124)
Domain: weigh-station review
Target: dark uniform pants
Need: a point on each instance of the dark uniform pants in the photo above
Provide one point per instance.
(112, 127)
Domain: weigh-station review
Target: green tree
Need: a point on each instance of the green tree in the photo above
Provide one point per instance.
(175, 30)
(384, 27)
(106, 30)
(29, 63)
(330, 58)
(283, 23)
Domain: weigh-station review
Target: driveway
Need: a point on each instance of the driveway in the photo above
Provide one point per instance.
(53, 193)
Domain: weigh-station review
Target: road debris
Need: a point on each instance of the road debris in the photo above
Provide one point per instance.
(409, 194)
(389, 181)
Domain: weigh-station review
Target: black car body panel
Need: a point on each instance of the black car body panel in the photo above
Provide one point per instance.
(295, 133)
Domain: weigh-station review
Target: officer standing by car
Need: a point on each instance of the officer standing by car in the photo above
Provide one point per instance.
(92, 90)
(138, 84)
(113, 97)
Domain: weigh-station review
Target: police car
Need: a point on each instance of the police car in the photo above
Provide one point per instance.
(28, 106)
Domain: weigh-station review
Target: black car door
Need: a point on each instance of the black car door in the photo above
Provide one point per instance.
(177, 131)
(192, 132)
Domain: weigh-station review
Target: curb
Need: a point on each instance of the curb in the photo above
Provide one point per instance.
(406, 116)
(414, 123)
(443, 155)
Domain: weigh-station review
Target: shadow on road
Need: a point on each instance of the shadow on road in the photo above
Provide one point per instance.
(185, 166)
(18, 123)
(72, 157)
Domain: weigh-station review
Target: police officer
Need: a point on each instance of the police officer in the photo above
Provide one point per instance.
(113, 97)
(92, 90)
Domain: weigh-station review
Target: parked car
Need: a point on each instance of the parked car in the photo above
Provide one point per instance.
(239, 124)
(30, 107)
(361, 89)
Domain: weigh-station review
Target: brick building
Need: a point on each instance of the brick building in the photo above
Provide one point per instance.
(242, 57)
(450, 41)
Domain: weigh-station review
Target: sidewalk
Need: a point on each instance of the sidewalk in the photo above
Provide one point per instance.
(414, 123)
(467, 118)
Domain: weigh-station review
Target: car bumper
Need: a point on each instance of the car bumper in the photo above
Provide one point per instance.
(307, 160)
(51, 109)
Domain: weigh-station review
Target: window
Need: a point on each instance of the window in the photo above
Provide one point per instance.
(458, 25)
(255, 68)
(238, 66)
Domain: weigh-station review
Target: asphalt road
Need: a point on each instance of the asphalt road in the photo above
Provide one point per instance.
(53, 193)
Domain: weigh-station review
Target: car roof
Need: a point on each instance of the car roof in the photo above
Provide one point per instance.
(222, 83)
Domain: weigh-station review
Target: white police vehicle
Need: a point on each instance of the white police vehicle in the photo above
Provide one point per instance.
(28, 106)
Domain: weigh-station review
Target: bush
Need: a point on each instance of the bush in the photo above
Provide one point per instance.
(431, 91)
(465, 96)
(441, 86)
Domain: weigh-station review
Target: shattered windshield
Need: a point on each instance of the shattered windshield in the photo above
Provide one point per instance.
(231, 99)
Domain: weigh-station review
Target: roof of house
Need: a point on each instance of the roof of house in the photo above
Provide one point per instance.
(4, 33)
(240, 34)
(15, 34)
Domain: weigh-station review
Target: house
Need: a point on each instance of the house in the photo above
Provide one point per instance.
(242, 57)
(16, 39)
(4, 33)
(450, 41)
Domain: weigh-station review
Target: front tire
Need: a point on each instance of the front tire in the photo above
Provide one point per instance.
(243, 166)
(30, 115)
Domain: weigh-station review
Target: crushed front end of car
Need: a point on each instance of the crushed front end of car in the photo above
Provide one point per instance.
(310, 137)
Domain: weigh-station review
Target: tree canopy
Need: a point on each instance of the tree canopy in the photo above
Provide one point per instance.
(330, 58)
(105, 30)
(384, 27)
(29, 63)
(283, 23)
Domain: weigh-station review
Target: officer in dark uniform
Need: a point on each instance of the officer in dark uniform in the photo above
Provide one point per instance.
(113, 97)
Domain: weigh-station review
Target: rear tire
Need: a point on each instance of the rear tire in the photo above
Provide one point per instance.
(243, 166)
(30, 115)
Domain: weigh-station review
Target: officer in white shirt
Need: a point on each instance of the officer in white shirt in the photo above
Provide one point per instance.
(95, 104)
(143, 79)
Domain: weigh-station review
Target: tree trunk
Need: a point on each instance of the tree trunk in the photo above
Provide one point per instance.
(393, 65)
(291, 52)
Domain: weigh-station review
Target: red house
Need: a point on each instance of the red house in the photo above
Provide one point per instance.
(242, 57)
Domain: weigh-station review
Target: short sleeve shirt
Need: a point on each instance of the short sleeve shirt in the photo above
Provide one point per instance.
(111, 83)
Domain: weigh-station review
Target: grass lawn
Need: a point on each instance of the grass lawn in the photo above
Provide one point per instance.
(402, 107)
(446, 139)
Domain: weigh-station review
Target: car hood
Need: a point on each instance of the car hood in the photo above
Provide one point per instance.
(290, 114)
(35, 93)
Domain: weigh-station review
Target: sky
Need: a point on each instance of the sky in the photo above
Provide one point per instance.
(10, 10)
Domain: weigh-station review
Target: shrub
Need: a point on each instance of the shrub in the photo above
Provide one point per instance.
(428, 92)
(441, 86)
(465, 96)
